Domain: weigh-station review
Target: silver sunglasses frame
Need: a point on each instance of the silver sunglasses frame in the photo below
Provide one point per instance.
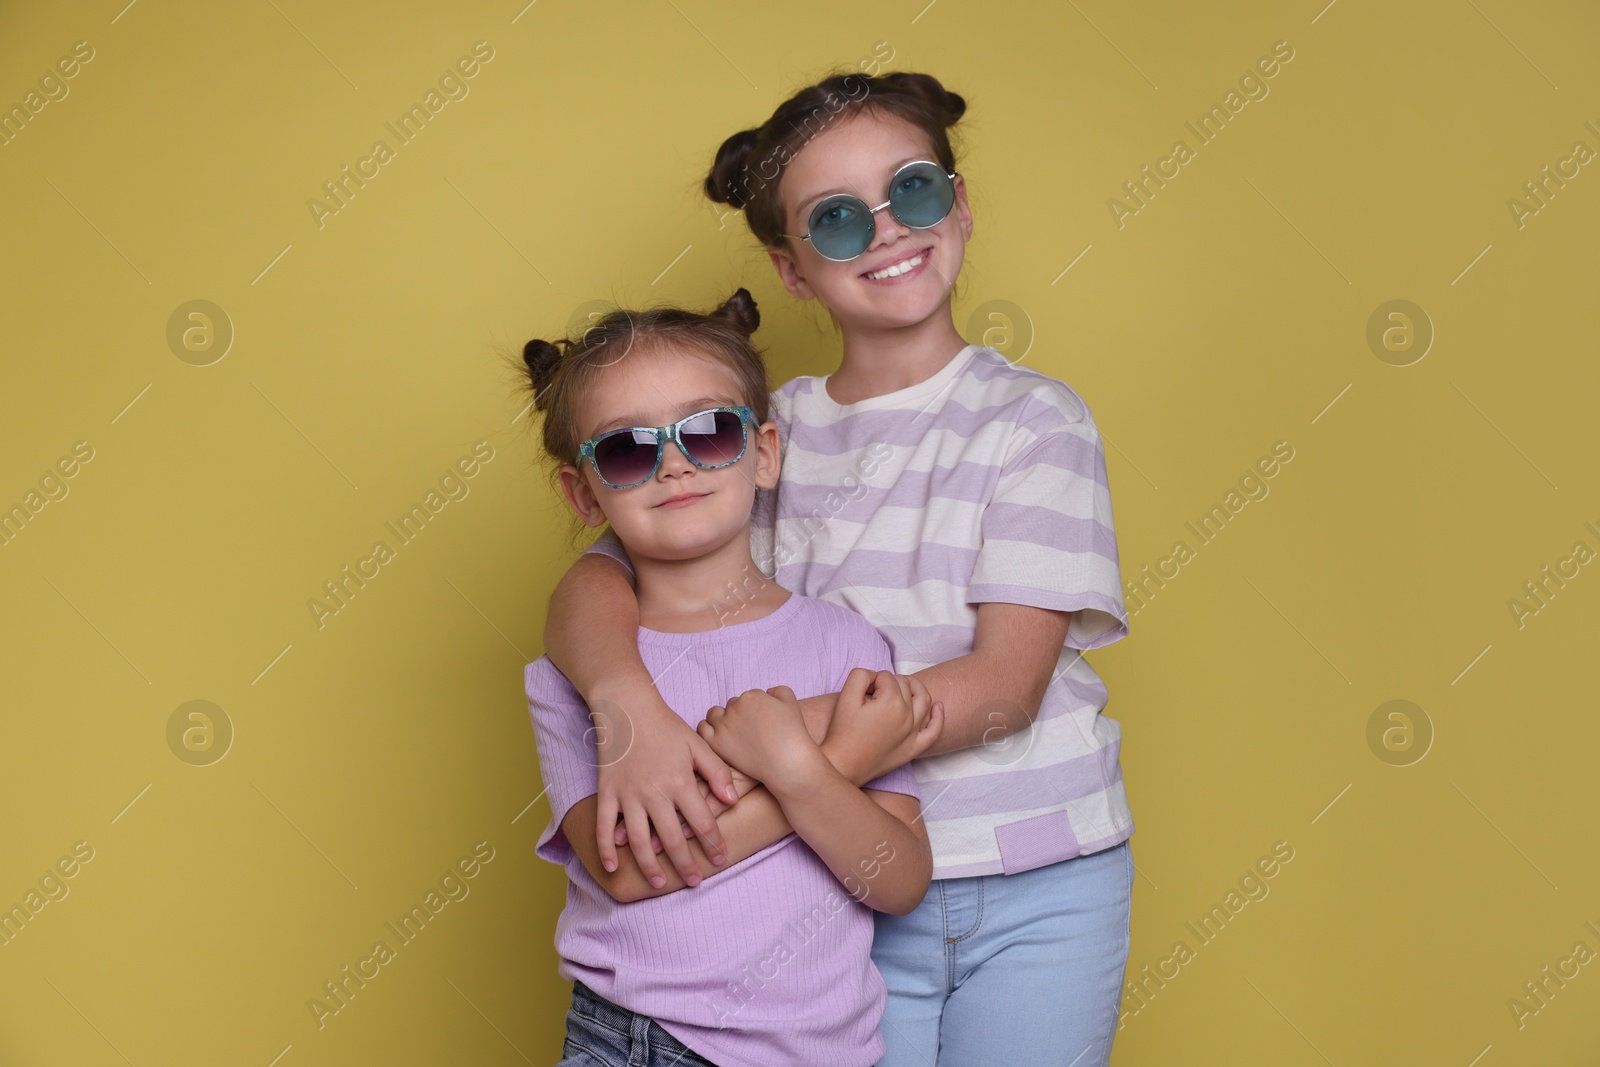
(872, 212)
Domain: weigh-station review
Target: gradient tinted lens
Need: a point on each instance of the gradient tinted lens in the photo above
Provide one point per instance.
(841, 227)
(713, 438)
(922, 195)
(626, 458)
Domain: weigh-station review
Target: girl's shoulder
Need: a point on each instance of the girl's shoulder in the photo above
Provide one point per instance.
(836, 625)
(1004, 383)
(783, 397)
(826, 611)
(782, 401)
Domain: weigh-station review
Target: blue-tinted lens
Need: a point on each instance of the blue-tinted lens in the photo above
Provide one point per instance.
(922, 195)
(841, 227)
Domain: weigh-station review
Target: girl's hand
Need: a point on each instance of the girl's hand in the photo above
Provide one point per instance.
(648, 759)
(762, 733)
(883, 720)
(741, 782)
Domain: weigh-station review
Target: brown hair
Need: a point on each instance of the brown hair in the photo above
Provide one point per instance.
(748, 167)
(560, 372)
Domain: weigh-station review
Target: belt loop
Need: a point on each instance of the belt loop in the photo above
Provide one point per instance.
(639, 1050)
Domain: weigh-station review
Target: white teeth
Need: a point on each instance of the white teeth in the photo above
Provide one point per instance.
(897, 269)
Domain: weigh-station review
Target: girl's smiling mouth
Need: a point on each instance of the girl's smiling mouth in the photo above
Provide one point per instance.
(681, 500)
(905, 266)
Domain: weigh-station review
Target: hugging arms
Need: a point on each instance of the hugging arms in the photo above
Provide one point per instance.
(653, 766)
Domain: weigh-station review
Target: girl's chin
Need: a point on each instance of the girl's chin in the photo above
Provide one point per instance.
(679, 545)
(912, 310)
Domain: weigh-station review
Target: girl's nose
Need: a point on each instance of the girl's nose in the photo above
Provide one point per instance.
(673, 461)
(886, 229)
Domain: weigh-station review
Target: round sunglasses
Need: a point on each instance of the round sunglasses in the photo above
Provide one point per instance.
(921, 194)
(631, 455)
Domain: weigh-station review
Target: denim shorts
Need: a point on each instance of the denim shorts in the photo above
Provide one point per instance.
(603, 1034)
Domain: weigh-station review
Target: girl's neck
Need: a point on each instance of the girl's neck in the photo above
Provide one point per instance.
(877, 362)
(719, 589)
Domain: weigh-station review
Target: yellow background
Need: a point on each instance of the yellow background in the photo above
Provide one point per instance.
(1228, 314)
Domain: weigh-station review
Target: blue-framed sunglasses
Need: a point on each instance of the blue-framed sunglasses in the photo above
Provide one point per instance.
(631, 455)
(921, 194)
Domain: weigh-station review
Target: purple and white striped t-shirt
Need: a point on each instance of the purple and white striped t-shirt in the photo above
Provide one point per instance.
(985, 482)
(764, 964)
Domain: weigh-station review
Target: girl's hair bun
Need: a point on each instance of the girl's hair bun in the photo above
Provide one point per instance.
(727, 184)
(748, 168)
(542, 358)
(562, 373)
(740, 310)
(933, 91)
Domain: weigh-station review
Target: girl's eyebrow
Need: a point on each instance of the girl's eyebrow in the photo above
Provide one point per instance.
(813, 199)
(689, 408)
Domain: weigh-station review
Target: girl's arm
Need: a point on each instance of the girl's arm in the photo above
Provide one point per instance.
(873, 841)
(876, 845)
(990, 692)
(652, 744)
(748, 827)
(884, 719)
(647, 754)
(996, 689)
(758, 820)
(1047, 562)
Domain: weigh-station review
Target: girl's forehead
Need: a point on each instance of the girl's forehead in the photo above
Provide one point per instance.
(651, 383)
(859, 151)
(864, 135)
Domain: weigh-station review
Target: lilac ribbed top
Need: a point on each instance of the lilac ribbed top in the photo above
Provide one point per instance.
(765, 964)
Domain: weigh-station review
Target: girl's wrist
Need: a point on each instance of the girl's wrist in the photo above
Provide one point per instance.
(807, 769)
(817, 711)
(846, 762)
(627, 697)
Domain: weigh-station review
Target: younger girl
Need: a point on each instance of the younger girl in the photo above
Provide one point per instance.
(658, 420)
(960, 503)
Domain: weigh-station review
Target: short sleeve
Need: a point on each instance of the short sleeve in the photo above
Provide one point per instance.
(1048, 539)
(565, 738)
(608, 544)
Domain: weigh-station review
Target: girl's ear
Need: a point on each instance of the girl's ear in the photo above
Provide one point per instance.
(580, 494)
(768, 460)
(963, 212)
(789, 273)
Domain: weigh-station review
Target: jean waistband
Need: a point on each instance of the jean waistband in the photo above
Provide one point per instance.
(600, 1009)
(644, 1034)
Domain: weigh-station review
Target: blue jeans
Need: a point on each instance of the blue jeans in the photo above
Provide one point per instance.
(1016, 969)
(603, 1034)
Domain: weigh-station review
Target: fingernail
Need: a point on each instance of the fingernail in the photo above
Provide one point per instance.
(693, 879)
(719, 858)
(657, 880)
(610, 865)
